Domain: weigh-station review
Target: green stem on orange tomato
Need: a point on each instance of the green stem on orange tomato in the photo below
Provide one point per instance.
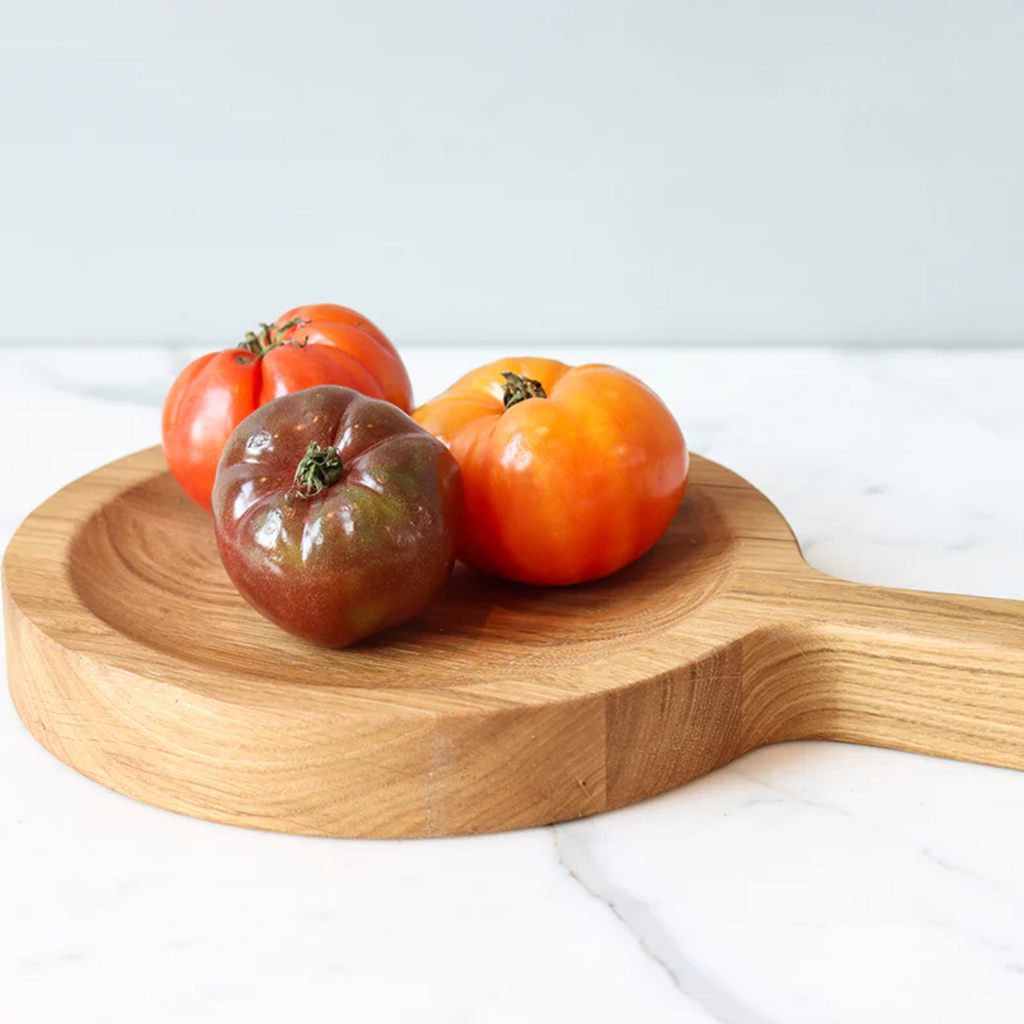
(317, 469)
(518, 388)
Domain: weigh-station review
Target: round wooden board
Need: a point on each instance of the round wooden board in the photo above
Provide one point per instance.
(132, 658)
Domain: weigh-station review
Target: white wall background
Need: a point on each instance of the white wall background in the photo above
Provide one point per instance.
(522, 171)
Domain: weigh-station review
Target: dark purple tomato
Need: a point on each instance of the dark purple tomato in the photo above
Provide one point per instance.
(336, 514)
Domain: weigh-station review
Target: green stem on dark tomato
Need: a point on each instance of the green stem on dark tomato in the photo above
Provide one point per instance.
(318, 468)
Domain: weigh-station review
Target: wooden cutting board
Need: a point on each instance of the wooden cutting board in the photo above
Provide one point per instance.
(131, 657)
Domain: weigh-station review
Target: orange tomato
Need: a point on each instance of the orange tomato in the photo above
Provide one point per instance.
(215, 392)
(569, 473)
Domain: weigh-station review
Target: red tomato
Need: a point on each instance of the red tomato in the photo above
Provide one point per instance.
(349, 331)
(569, 473)
(214, 393)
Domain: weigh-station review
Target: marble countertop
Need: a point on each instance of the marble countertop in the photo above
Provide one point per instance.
(807, 883)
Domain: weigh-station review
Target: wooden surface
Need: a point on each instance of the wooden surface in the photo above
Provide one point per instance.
(131, 658)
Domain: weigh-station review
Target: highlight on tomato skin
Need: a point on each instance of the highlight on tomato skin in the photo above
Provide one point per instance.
(336, 515)
(307, 347)
(569, 473)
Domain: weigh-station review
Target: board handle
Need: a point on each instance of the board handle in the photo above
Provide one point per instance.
(930, 673)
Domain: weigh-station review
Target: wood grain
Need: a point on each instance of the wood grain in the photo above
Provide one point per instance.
(131, 658)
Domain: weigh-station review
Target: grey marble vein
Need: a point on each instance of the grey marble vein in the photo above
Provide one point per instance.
(639, 919)
(926, 853)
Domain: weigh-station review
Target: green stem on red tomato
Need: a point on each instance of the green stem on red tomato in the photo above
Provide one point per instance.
(318, 469)
(269, 337)
(518, 388)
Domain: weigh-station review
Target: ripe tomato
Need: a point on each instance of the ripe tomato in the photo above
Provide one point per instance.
(214, 393)
(345, 329)
(336, 515)
(569, 473)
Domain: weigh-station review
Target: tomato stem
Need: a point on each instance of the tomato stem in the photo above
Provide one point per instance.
(269, 337)
(518, 388)
(317, 469)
